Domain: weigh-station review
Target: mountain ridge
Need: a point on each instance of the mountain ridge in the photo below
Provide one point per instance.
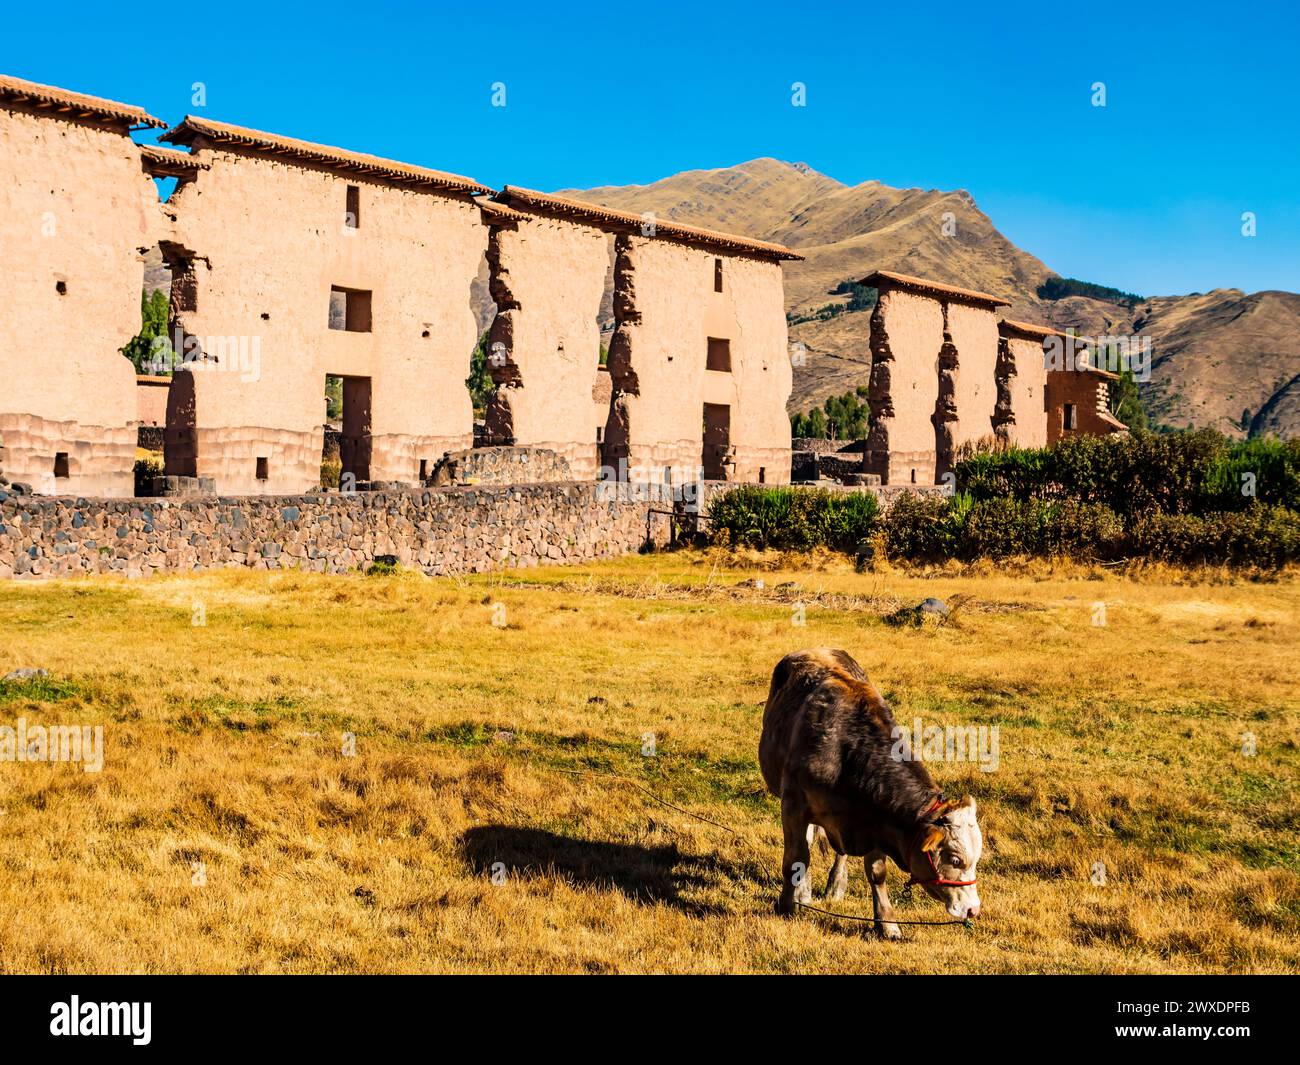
(1216, 355)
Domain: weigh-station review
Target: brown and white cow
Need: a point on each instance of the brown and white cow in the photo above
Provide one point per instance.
(829, 752)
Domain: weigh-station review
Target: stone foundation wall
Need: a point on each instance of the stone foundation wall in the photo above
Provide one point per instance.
(439, 531)
(502, 466)
(100, 458)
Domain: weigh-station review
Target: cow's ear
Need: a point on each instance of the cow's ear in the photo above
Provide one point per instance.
(969, 801)
(932, 839)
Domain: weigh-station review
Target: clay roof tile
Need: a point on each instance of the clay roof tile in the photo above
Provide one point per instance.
(889, 279)
(1009, 326)
(612, 220)
(226, 135)
(54, 100)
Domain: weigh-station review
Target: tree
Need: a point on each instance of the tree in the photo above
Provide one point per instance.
(479, 382)
(333, 398)
(1125, 403)
(150, 350)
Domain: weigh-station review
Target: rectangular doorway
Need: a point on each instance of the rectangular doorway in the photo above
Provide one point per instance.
(717, 440)
(354, 431)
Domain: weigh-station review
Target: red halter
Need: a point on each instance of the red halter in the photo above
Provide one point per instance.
(929, 857)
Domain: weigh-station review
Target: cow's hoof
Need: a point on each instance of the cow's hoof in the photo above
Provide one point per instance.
(835, 892)
(785, 907)
(890, 932)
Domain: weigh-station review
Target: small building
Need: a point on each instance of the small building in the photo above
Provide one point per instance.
(933, 385)
(73, 215)
(294, 263)
(1077, 393)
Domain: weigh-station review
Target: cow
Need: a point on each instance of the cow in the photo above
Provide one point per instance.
(830, 752)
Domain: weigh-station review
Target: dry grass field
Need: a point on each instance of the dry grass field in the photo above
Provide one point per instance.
(230, 830)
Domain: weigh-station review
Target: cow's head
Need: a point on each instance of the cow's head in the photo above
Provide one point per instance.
(944, 858)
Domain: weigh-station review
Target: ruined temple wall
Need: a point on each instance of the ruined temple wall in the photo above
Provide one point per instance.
(667, 310)
(1026, 388)
(269, 241)
(907, 334)
(548, 278)
(76, 207)
(974, 332)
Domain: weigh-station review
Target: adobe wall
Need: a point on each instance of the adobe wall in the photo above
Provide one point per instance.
(666, 309)
(1021, 417)
(266, 242)
(151, 400)
(547, 277)
(907, 333)
(974, 333)
(73, 210)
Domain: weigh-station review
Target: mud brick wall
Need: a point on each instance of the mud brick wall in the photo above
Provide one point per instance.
(440, 531)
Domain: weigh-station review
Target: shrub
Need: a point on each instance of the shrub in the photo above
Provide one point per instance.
(331, 469)
(1273, 467)
(1264, 535)
(145, 471)
(1000, 528)
(1132, 474)
(922, 528)
(793, 518)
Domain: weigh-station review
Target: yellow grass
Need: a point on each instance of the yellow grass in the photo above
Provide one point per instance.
(229, 831)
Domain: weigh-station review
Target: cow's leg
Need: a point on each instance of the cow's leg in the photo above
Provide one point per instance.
(880, 907)
(837, 882)
(795, 885)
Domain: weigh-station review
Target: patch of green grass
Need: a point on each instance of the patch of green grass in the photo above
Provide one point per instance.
(37, 690)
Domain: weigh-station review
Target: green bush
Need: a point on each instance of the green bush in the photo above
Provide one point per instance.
(145, 471)
(932, 528)
(1132, 474)
(1269, 468)
(921, 528)
(1000, 528)
(1264, 535)
(793, 518)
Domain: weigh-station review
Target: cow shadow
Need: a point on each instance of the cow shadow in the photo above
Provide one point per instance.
(647, 875)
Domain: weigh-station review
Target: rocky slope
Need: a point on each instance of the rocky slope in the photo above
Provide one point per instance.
(1215, 355)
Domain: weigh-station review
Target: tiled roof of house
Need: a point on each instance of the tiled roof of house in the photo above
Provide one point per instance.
(168, 162)
(498, 212)
(224, 134)
(62, 101)
(623, 221)
(1031, 331)
(889, 279)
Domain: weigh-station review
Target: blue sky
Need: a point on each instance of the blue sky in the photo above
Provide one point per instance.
(1201, 123)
